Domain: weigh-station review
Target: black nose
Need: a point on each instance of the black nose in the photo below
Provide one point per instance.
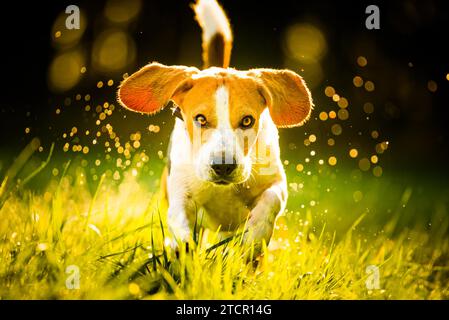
(223, 169)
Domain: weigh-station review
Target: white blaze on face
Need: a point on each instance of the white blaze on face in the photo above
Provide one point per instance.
(222, 143)
(222, 108)
(219, 137)
(224, 140)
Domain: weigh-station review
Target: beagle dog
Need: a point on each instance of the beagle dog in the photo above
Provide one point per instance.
(224, 155)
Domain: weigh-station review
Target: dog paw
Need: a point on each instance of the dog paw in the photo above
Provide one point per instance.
(257, 231)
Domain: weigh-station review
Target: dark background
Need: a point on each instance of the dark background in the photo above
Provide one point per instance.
(411, 31)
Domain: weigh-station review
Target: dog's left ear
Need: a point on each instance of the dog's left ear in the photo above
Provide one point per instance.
(152, 87)
(287, 96)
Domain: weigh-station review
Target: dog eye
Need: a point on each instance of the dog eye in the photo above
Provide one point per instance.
(247, 122)
(201, 120)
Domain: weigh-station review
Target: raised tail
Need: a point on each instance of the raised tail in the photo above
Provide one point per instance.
(217, 34)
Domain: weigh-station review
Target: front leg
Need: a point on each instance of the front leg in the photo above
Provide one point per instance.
(180, 211)
(260, 223)
(178, 223)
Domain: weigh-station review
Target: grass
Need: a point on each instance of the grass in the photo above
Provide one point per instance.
(113, 232)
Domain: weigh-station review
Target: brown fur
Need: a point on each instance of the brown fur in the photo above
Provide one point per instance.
(149, 89)
(283, 91)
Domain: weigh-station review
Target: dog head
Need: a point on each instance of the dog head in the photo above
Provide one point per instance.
(222, 110)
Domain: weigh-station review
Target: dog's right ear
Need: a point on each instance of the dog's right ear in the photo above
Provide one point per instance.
(151, 88)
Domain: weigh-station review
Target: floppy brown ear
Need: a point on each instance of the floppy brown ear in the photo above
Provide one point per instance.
(288, 98)
(151, 88)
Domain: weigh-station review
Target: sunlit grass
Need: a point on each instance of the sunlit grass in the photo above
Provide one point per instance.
(114, 233)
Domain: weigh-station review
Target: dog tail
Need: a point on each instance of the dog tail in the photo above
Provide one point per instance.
(217, 34)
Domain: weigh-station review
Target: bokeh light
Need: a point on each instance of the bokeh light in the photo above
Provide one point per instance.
(432, 86)
(368, 107)
(64, 71)
(377, 171)
(369, 86)
(113, 50)
(358, 81)
(357, 195)
(329, 91)
(364, 164)
(118, 11)
(305, 42)
(336, 129)
(353, 153)
(323, 116)
(304, 46)
(362, 61)
(343, 114)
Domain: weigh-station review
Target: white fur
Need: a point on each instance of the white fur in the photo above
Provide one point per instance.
(222, 108)
(212, 19)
